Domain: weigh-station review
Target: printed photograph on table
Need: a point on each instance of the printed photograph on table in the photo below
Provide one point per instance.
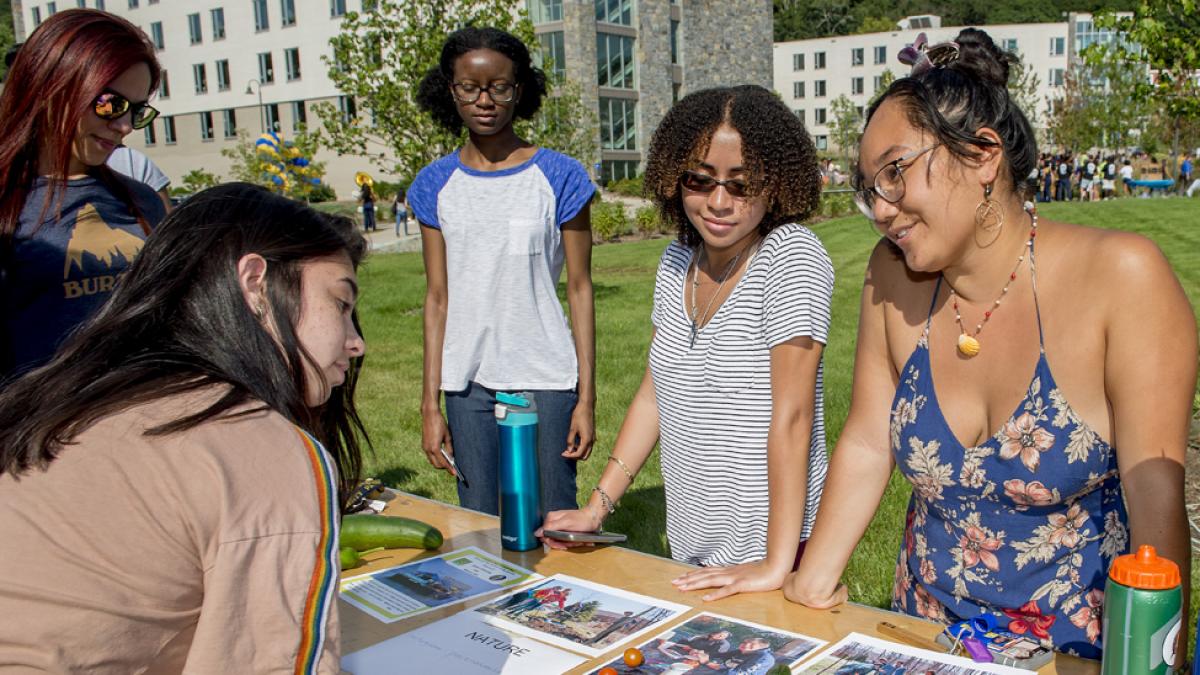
(579, 615)
(719, 645)
(400, 592)
(858, 654)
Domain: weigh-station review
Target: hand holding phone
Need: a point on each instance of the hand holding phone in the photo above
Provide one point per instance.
(597, 537)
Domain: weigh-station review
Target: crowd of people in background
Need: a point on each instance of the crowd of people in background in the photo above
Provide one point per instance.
(1099, 175)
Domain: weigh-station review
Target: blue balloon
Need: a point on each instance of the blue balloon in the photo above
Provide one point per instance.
(277, 180)
(300, 161)
(317, 181)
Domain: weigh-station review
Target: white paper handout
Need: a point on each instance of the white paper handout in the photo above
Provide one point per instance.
(858, 653)
(463, 644)
(578, 615)
(407, 590)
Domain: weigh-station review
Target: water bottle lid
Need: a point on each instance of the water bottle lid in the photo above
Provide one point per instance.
(515, 400)
(1145, 570)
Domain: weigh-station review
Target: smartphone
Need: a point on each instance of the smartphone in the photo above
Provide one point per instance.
(598, 537)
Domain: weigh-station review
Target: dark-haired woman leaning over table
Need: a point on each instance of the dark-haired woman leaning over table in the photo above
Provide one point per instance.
(1031, 379)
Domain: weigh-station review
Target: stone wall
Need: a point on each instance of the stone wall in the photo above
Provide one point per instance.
(653, 49)
(726, 43)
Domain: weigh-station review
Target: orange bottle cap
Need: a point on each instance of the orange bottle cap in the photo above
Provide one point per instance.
(1145, 570)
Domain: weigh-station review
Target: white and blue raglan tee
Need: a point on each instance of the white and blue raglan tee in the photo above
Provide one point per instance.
(505, 327)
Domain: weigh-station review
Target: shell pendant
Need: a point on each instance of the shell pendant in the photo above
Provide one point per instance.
(967, 345)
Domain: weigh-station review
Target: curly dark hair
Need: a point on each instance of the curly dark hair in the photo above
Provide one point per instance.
(777, 152)
(433, 93)
(954, 101)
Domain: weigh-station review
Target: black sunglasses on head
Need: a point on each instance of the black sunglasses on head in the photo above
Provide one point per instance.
(110, 105)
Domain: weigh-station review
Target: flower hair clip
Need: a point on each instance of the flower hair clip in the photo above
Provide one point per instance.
(922, 56)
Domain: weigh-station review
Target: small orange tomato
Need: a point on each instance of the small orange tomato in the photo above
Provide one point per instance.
(634, 657)
(608, 670)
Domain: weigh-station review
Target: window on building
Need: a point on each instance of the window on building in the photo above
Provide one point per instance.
(291, 58)
(799, 114)
(614, 61)
(797, 90)
(818, 60)
(615, 11)
(674, 41)
(819, 88)
(164, 86)
(1009, 45)
(299, 116)
(618, 124)
(1058, 46)
(1056, 77)
(261, 21)
(100, 5)
(223, 75)
(201, 77)
(169, 130)
(856, 56)
(194, 29)
(287, 12)
(266, 71)
(552, 56)
(822, 142)
(206, 126)
(337, 7)
(819, 116)
(51, 8)
(617, 169)
(856, 85)
(544, 11)
(81, 4)
(858, 110)
(156, 35)
(37, 16)
(797, 62)
(272, 110)
(878, 84)
(347, 108)
(218, 22)
(880, 55)
(133, 4)
(149, 134)
(230, 117)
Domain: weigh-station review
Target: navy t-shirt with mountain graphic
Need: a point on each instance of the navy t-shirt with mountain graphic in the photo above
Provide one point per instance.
(65, 262)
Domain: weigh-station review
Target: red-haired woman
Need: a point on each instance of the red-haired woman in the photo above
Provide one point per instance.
(68, 224)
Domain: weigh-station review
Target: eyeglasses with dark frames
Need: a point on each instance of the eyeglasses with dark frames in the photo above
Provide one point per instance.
(469, 92)
(888, 183)
(110, 105)
(699, 182)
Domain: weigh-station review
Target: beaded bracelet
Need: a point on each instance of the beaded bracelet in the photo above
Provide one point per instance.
(624, 468)
(605, 499)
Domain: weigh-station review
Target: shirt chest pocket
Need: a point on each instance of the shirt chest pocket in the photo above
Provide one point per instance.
(526, 236)
(736, 360)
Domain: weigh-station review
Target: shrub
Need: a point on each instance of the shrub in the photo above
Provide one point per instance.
(648, 221)
(608, 221)
(837, 204)
(629, 187)
(322, 193)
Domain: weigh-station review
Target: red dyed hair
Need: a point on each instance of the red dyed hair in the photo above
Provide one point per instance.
(56, 77)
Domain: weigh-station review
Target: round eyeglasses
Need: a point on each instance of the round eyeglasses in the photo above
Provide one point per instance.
(888, 182)
(469, 92)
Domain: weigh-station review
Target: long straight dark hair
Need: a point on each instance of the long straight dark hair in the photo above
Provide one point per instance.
(178, 322)
(57, 74)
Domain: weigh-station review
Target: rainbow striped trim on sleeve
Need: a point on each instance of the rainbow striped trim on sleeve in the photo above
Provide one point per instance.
(322, 588)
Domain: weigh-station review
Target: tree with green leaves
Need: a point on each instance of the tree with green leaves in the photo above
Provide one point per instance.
(381, 55)
(846, 128)
(199, 179)
(253, 165)
(1164, 37)
(1023, 85)
(7, 34)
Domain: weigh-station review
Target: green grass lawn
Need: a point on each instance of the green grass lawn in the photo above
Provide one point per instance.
(390, 390)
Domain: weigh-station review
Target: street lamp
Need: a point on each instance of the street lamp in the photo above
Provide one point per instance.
(262, 120)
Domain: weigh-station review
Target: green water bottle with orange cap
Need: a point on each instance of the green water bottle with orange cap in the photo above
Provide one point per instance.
(1142, 604)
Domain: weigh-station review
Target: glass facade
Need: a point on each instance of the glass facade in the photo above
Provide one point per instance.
(614, 61)
(618, 124)
(552, 56)
(544, 11)
(615, 11)
(617, 169)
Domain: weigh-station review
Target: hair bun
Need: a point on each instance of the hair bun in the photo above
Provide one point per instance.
(980, 57)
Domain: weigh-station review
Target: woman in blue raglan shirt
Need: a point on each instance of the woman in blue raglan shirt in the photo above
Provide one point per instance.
(69, 225)
(498, 217)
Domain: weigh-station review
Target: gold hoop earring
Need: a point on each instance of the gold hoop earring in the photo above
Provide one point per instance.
(989, 217)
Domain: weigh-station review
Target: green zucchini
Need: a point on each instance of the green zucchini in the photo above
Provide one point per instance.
(363, 532)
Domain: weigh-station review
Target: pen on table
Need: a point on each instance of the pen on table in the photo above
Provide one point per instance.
(457, 473)
(904, 635)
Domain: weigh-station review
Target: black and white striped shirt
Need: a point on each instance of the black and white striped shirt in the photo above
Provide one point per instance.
(714, 398)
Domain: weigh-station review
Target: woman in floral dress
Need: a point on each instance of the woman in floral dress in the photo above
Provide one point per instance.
(1032, 380)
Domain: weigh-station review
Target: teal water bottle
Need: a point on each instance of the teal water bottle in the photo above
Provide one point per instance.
(520, 487)
(1142, 604)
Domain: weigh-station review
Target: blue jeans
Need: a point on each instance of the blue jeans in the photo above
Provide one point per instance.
(474, 434)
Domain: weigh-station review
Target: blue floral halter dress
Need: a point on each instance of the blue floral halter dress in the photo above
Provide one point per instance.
(1024, 525)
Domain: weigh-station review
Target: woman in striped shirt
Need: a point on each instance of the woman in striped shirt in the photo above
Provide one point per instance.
(732, 392)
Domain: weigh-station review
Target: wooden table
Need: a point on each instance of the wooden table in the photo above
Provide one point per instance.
(621, 568)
